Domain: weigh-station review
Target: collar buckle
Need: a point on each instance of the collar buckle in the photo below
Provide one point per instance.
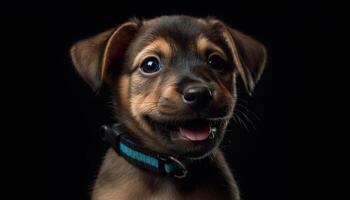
(110, 134)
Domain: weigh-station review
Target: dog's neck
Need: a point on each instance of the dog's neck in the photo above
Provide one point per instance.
(207, 178)
(127, 147)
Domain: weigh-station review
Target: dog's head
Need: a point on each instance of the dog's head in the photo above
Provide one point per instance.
(173, 78)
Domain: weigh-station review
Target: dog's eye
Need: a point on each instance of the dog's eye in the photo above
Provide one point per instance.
(150, 65)
(216, 62)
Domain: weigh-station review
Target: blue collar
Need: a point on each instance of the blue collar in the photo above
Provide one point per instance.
(124, 145)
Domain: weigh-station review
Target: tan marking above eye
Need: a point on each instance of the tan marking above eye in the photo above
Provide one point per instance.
(204, 44)
(152, 49)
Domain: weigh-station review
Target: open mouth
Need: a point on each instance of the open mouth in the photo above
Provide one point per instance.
(193, 130)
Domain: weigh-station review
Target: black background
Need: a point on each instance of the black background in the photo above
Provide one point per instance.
(259, 157)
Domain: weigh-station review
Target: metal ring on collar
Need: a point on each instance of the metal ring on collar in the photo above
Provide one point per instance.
(184, 171)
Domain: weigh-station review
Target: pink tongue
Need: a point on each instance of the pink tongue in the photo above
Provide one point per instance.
(197, 134)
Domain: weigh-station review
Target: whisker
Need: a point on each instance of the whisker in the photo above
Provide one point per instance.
(247, 118)
(243, 101)
(249, 111)
(242, 123)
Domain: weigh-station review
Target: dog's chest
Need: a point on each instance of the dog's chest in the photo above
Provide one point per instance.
(118, 179)
(172, 192)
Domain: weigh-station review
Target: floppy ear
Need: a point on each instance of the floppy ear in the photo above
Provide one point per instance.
(248, 54)
(250, 57)
(91, 57)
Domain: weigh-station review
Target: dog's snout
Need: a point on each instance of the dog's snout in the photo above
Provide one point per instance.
(197, 96)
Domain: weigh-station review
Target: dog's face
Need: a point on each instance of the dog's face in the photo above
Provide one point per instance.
(173, 78)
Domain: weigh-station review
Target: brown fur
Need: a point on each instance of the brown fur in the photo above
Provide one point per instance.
(182, 44)
(120, 180)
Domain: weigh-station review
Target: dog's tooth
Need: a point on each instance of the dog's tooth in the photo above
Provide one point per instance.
(213, 131)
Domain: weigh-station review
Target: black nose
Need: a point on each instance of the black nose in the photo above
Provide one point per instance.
(197, 96)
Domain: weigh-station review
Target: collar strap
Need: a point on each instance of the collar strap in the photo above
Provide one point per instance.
(124, 145)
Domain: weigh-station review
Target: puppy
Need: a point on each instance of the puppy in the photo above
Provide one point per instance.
(173, 80)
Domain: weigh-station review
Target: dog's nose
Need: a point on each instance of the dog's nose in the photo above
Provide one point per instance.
(197, 96)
